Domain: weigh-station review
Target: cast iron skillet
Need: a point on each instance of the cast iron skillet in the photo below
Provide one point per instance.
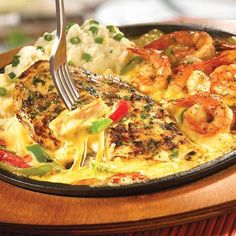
(183, 177)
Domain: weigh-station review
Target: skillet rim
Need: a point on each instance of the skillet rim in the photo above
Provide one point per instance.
(150, 186)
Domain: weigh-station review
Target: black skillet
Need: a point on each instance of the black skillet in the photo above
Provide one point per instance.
(180, 178)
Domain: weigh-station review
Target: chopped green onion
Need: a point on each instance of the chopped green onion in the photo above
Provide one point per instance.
(98, 40)
(93, 22)
(94, 30)
(71, 63)
(69, 25)
(100, 125)
(87, 57)
(3, 91)
(38, 152)
(175, 153)
(111, 28)
(16, 60)
(12, 75)
(75, 40)
(132, 63)
(40, 48)
(48, 37)
(118, 36)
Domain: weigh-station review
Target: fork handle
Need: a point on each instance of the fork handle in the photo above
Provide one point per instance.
(59, 48)
(61, 24)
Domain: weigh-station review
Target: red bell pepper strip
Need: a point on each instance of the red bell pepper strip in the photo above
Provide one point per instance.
(12, 159)
(121, 111)
(134, 176)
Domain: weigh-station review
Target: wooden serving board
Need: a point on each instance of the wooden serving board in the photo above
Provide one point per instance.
(32, 212)
(28, 211)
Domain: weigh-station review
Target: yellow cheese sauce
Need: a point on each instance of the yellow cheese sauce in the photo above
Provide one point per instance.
(101, 171)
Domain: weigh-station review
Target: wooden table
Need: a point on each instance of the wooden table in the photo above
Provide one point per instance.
(27, 211)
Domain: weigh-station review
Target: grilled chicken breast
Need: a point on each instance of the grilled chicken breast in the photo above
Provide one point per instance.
(147, 132)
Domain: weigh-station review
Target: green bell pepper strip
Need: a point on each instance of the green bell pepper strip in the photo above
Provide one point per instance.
(131, 64)
(31, 171)
(39, 153)
(100, 125)
(181, 116)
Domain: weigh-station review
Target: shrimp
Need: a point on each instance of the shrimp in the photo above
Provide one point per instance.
(226, 44)
(223, 82)
(233, 124)
(177, 87)
(206, 114)
(182, 45)
(151, 76)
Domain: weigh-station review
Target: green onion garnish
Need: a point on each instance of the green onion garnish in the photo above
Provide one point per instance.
(68, 26)
(3, 91)
(94, 30)
(118, 36)
(111, 28)
(87, 57)
(71, 63)
(12, 75)
(75, 40)
(40, 48)
(48, 37)
(16, 60)
(98, 40)
(91, 22)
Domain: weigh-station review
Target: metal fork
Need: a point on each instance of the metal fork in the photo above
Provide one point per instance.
(58, 62)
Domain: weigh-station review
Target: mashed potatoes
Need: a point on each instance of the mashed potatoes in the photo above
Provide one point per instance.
(96, 47)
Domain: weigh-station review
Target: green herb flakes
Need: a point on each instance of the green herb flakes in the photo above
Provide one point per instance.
(36, 80)
(174, 153)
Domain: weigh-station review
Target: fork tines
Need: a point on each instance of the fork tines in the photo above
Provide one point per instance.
(58, 67)
(66, 86)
